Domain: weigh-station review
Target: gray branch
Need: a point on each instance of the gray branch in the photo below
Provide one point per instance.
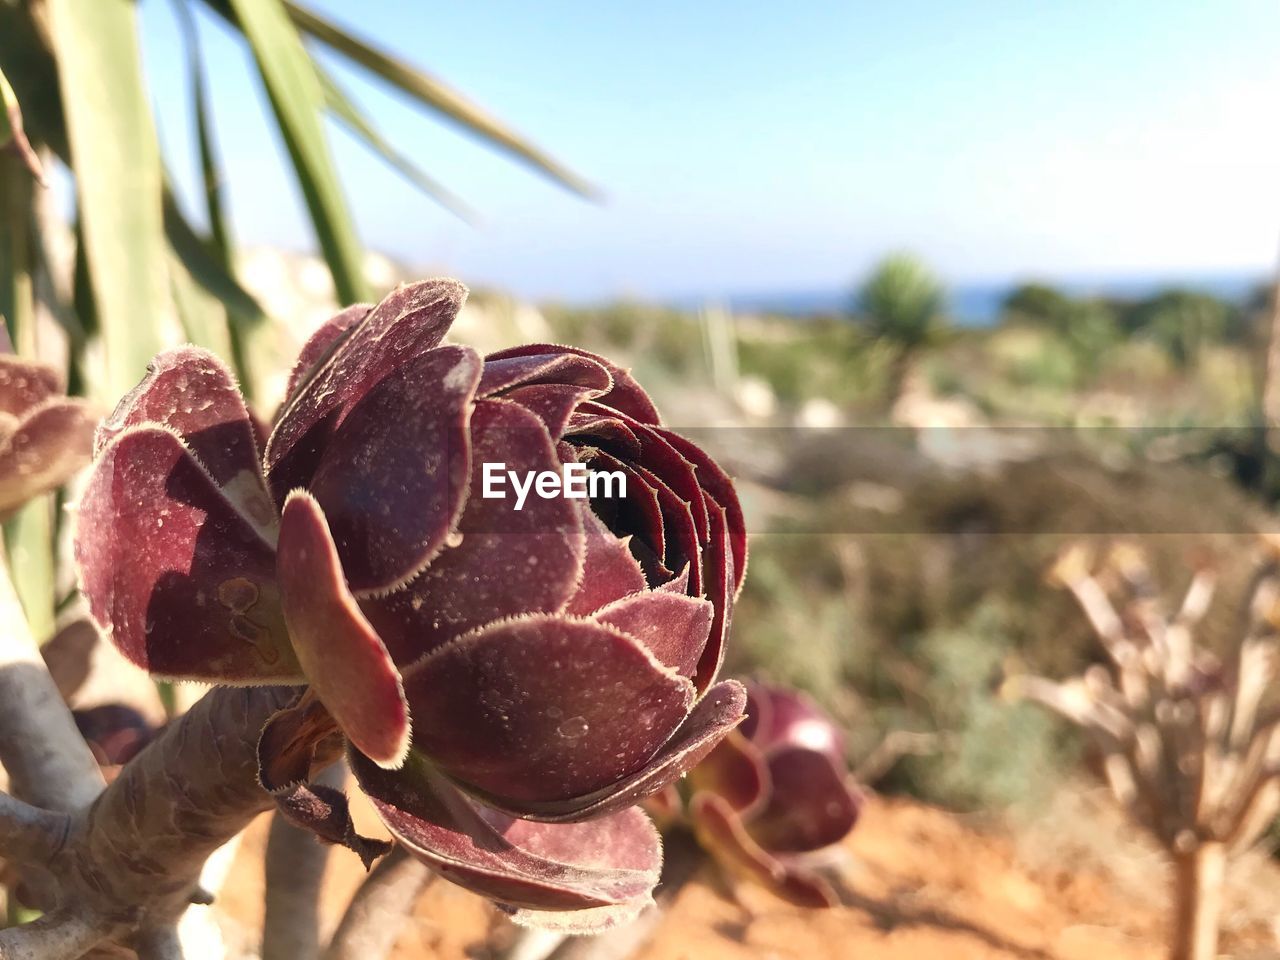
(30, 834)
(61, 935)
(295, 865)
(47, 760)
(380, 909)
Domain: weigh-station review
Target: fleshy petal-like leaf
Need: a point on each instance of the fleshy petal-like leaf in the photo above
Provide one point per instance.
(114, 732)
(609, 571)
(502, 373)
(393, 480)
(736, 772)
(321, 344)
(193, 393)
(508, 561)
(607, 430)
(780, 718)
(605, 862)
(181, 582)
(714, 480)
(553, 403)
(677, 584)
(409, 321)
(666, 807)
(340, 653)
(50, 443)
(717, 584)
(26, 383)
(543, 708)
(809, 807)
(673, 627)
(681, 545)
(626, 394)
(637, 513)
(721, 832)
(718, 712)
(660, 456)
(654, 451)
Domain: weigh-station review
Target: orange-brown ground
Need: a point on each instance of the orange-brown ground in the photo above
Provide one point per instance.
(923, 884)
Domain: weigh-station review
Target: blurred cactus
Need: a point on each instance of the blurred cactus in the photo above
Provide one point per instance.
(1188, 745)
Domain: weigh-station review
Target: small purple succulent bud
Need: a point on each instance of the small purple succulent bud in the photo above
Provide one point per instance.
(45, 436)
(774, 793)
(512, 676)
(115, 733)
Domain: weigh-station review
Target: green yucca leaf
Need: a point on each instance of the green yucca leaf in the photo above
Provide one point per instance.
(211, 176)
(12, 135)
(202, 315)
(243, 315)
(297, 99)
(15, 247)
(29, 541)
(116, 159)
(342, 108)
(436, 95)
(28, 534)
(86, 312)
(204, 265)
(243, 320)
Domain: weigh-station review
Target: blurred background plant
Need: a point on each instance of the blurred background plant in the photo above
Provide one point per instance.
(1187, 737)
(900, 305)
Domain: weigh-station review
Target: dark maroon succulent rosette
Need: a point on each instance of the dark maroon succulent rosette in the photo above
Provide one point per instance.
(510, 682)
(775, 793)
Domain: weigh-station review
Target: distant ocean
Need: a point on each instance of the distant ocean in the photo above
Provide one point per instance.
(978, 304)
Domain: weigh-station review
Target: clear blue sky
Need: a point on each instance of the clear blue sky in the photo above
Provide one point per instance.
(749, 146)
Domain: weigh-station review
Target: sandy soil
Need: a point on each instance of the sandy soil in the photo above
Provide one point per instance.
(922, 884)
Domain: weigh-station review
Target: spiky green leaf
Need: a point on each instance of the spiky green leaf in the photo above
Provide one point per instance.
(297, 100)
(116, 159)
(434, 94)
(342, 108)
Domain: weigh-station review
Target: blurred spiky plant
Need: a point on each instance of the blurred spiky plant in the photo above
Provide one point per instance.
(143, 270)
(900, 304)
(1190, 739)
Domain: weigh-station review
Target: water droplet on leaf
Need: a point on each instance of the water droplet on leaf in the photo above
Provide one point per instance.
(573, 728)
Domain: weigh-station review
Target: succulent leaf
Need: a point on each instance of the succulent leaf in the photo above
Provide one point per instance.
(411, 320)
(393, 480)
(606, 862)
(543, 708)
(343, 659)
(178, 578)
